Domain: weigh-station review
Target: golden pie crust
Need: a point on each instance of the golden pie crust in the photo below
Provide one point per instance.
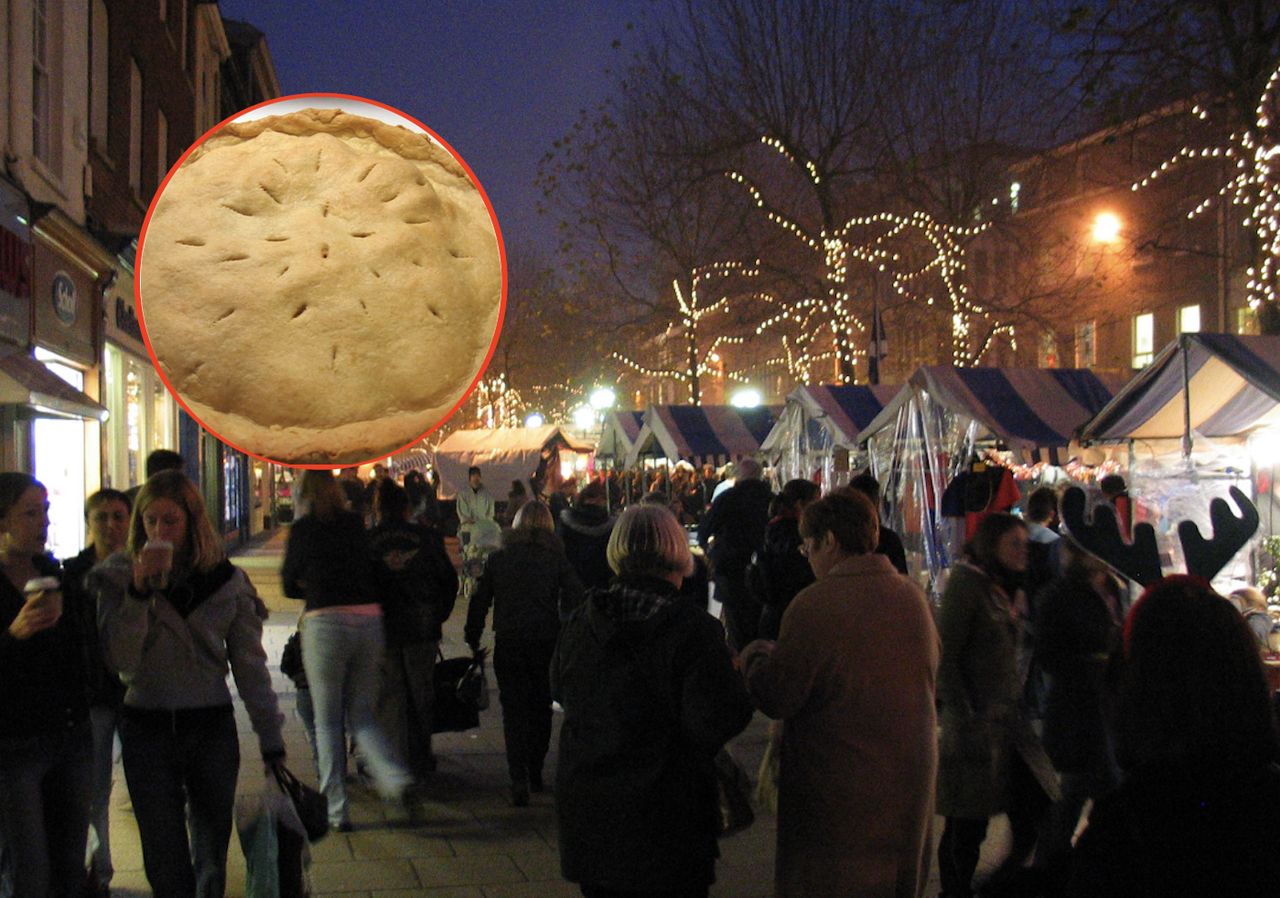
(320, 287)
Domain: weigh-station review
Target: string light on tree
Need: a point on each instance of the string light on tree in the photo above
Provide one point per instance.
(1252, 185)
(699, 361)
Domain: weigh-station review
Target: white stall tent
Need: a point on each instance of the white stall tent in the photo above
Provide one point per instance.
(930, 430)
(503, 454)
(817, 434)
(618, 436)
(702, 434)
(1204, 416)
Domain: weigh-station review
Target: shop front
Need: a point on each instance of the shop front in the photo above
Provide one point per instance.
(143, 414)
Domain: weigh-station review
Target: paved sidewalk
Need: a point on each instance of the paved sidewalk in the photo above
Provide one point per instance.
(472, 843)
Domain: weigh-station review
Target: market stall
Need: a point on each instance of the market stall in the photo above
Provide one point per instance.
(816, 436)
(956, 443)
(701, 434)
(1204, 416)
(618, 435)
(505, 454)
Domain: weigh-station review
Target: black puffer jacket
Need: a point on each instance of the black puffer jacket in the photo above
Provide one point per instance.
(648, 701)
(584, 529)
(527, 582)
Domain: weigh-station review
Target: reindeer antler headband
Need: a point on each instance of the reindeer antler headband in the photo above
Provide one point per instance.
(1140, 560)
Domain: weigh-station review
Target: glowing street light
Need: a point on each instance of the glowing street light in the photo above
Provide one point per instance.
(602, 398)
(534, 419)
(584, 417)
(1106, 227)
(748, 397)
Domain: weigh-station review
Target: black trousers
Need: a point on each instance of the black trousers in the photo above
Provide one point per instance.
(590, 891)
(523, 671)
(741, 610)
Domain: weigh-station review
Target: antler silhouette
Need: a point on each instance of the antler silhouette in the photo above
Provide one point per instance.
(1205, 557)
(1139, 560)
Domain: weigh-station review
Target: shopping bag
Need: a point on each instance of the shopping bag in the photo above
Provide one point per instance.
(311, 807)
(274, 844)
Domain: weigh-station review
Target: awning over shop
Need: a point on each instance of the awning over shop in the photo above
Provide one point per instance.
(620, 432)
(24, 381)
(1024, 408)
(1217, 385)
(503, 454)
(701, 434)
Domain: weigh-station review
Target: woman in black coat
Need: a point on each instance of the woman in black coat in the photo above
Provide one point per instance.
(781, 571)
(650, 695)
(527, 582)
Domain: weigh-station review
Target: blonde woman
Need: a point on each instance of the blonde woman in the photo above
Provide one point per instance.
(650, 695)
(175, 616)
(526, 582)
(328, 563)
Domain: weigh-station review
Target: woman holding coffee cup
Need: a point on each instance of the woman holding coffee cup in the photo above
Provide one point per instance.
(46, 743)
(175, 617)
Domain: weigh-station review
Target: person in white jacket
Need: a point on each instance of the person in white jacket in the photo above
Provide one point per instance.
(173, 622)
(475, 506)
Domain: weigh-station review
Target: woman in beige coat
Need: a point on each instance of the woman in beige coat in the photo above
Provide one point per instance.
(852, 674)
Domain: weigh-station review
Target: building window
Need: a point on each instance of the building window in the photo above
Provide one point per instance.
(41, 84)
(1086, 344)
(1189, 320)
(1246, 321)
(1048, 355)
(135, 127)
(100, 75)
(162, 149)
(1144, 339)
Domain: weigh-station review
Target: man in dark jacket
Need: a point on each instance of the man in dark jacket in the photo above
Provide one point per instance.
(730, 533)
(584, 530)
(418, 586)
(890, 544)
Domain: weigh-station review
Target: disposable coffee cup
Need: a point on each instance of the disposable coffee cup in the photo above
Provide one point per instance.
(47, 591)
(164, 550)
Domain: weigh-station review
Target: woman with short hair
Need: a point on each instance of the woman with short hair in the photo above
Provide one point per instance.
(650, 695)
(852, 676)
(173, 623)
(527, 582)
(45, 739)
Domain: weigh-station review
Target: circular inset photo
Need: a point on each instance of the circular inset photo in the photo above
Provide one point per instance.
(320, 281)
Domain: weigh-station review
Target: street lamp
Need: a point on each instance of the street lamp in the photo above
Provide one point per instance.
(534, 419)
(584, 417)
(1106, 227)
(602, 398)
(747, 397)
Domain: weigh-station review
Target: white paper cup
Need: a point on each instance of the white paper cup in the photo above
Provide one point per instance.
(45, 590)
(163, 549)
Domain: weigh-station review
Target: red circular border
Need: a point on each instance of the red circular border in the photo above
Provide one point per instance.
(471, 175)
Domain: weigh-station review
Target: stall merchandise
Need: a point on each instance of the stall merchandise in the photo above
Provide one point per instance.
(816, 437)
(945, 418)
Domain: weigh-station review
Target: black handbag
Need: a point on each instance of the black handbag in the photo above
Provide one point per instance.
(733, 789)
(457, 700)
(311, 805)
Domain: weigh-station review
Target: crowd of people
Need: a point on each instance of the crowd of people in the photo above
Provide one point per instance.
(1030, 691)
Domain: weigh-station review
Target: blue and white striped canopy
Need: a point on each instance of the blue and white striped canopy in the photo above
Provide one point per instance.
(1234, 387)
(1025, 408)
(706, 433)
(620, 432)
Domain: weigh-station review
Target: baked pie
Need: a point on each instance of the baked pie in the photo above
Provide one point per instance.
(320, 287)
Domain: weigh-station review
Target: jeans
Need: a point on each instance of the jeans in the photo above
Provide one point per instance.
(523, 670)
(342, 654)
(44, 810)
(307, 712)
(181, 767)
(404, 705)
(105, 720)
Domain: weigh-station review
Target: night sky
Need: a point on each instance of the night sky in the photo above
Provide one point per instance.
(499, 80)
